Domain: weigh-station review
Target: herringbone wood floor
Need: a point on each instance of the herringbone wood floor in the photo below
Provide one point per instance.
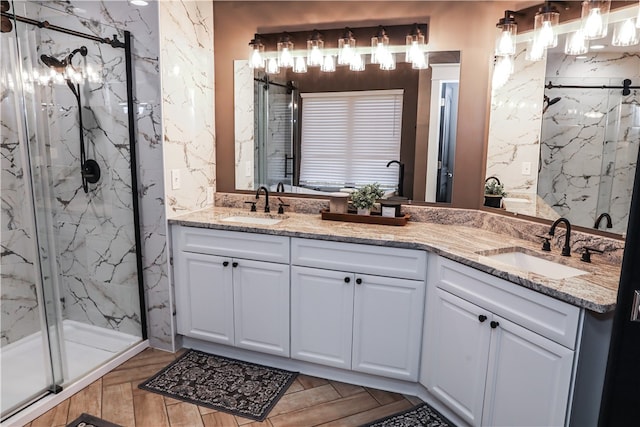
(309, 401)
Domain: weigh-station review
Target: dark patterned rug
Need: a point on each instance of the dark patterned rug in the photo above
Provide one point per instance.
(86, 420)
(239, 388)
(421, 415)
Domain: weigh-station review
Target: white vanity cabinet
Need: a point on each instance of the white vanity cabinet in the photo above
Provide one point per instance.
(494, 353)
(232, 288)
(357, 307)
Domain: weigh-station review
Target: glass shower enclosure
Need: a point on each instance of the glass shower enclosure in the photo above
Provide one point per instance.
(274, 130)
(70, 262)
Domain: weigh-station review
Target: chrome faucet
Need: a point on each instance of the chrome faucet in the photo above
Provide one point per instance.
(400, 176)
(566, 249)
(266, 197)
(603, 215)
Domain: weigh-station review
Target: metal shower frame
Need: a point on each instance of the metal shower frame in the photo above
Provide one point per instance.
(126, 45)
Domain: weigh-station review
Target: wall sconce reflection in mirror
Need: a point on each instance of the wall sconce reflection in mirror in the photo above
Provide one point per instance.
(321, 52)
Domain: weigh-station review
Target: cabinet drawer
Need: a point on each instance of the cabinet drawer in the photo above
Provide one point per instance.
(547, 316)
(357, 258)
(260, 247)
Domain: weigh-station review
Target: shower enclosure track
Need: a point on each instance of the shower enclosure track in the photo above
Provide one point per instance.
(626, 87)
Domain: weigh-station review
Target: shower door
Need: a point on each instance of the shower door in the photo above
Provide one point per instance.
(68, 208)
(274, 161)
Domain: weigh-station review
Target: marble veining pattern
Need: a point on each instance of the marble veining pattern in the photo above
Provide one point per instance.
(102, 19)
(459, 237)
(597, 130)
(514, 130)
(243, 104)
(186, 57)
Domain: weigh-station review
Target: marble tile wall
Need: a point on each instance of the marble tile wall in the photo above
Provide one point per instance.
(243, 91)
(187, 29)
(598, 131)
(186, 58)
(19, 311)
(514, 130)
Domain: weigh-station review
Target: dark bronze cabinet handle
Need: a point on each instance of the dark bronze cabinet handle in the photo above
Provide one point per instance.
(235, 264)
(225, 264)
(494, 324)
(359, 281)
(482, 318)
(347, 280)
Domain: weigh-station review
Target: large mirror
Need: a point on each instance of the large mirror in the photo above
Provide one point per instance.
(289, 129)
(564, 133)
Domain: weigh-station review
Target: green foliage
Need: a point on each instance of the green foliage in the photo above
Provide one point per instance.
(366, 196)
(491, 187)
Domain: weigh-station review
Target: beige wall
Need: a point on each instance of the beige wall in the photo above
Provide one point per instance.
(465, 26)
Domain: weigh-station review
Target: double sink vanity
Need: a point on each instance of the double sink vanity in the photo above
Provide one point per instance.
(482, 325)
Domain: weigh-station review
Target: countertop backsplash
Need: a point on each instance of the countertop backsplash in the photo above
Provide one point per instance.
(501, 224)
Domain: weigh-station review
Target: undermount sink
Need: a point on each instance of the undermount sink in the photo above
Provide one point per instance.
(252, 220)
(520, 259)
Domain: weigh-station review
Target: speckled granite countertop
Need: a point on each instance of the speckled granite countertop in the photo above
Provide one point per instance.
(595, 291)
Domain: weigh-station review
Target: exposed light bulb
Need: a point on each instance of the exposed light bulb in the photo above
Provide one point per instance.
(357, 64)
(272, 66)
(506, 44)
(286, 59)
(256, 61)
(547, 35)
(388, 63)
(315, 57)
(625, 34)
(535, 50)
(420, 61)
(576, 44)
(299, 66)
(594, 24)
(328, 64)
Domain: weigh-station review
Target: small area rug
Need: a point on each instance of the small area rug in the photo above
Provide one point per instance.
(421, 415)
(86, 420)
(239, 388)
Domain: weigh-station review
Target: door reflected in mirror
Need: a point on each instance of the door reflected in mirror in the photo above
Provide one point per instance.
(322, 132)
(564, 134)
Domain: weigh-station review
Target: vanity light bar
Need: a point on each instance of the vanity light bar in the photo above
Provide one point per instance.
(320, 53)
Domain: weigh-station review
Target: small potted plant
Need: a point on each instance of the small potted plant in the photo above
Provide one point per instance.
(365, 197)
(493, 192)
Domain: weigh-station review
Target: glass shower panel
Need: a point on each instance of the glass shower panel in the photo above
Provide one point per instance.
(619, 156)
(25, 352)
(274, 134)
(81, 117)
(69, 265)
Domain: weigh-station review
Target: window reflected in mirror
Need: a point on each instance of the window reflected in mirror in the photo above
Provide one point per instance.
(284, 136)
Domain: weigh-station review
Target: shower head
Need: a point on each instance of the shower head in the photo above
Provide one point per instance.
(53, 63)
(60, 65)
(554, 100)
(549, 102)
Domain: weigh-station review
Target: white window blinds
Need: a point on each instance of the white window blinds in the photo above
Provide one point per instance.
(349, 137)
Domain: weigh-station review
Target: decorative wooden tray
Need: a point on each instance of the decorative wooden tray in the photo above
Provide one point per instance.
(374, 218)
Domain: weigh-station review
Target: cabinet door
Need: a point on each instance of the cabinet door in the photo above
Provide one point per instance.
(204, 297)
(528, 378)
(261, 306)
(387, 326)
(321, 316)
(455, 353)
